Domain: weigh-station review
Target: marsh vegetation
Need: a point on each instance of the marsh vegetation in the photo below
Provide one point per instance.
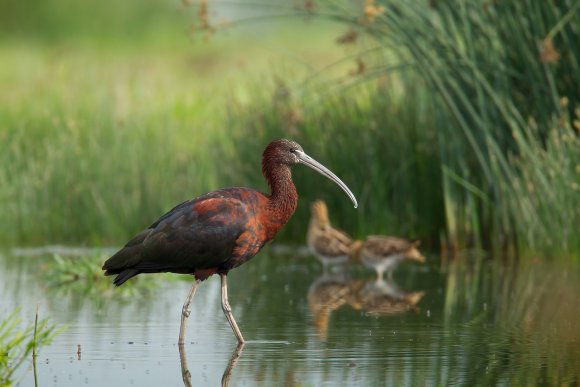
(450, 133)
(454, 121)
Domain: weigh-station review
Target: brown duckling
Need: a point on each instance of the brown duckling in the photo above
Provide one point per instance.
(385, 253)
(329, 245)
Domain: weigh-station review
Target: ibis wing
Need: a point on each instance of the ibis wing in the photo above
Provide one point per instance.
(171, 212)
(196, 234)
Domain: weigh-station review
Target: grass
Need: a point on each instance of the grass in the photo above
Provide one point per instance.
(59, 155)
(489, 113)
(18, 342)
(456, 123)
(389, 164)
(503, 118)
(82, 277)
(113, 138)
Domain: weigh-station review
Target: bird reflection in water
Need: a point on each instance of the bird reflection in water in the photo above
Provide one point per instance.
(186, 375)
(326, 294)
(383, 298)
(329, 293)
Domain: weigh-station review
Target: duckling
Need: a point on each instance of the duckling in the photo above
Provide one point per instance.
(329, 245)
(385, 253)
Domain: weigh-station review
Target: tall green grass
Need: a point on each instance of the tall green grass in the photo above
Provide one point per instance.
(89, 152)
(98, 141)
(18, 342)
(504, 89)
(110, 22)
(453, 121)
(482, 98)
(372, 138)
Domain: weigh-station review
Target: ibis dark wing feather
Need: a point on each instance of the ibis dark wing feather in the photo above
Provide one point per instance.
(196, 234)
(171, 212)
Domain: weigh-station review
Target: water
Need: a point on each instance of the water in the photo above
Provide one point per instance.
(472, 323)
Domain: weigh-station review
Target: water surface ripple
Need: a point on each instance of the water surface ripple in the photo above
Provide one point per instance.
(470, 323)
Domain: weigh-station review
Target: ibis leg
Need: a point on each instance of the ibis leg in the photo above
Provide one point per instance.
(185, 311)
(228, 309)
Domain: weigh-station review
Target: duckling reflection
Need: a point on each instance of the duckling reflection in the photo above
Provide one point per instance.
(385, 253)
(326, 294)
(329, 293)
(186, 375)
(383, 298)
(329, 245)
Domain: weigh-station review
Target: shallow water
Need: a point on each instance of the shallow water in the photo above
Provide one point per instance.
(471, 323)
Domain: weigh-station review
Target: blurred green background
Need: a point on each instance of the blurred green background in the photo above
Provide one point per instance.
(455, 122)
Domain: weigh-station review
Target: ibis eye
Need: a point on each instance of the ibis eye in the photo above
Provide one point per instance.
(293, 150)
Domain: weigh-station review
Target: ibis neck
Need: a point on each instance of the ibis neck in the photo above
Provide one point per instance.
(283, 196)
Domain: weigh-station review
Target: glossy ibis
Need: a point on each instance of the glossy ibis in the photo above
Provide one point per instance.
(385, 253)
(329, 245)
(220, 230)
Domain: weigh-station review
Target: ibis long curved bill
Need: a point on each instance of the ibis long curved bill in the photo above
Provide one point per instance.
(303, 158)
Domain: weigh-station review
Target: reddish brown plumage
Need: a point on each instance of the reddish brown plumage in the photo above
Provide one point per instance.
(283, 197)
(218, 231)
